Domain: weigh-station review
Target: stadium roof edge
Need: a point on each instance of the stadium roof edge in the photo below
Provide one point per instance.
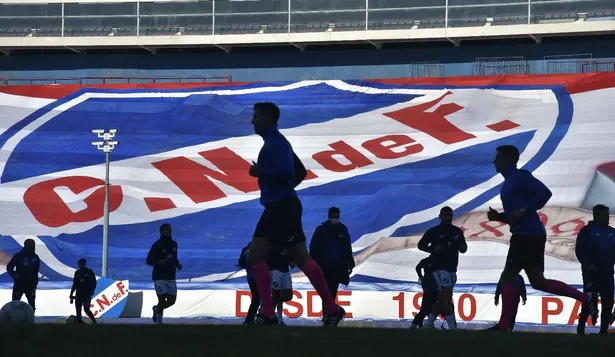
(455, 35)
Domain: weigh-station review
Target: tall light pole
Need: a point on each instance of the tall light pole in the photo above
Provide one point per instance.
(106, 146)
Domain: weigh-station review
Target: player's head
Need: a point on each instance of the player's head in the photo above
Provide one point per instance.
(265, 115)
(29, 246)
(165, 231)
(601, 215)
(446, 215)
(505, 157)
(81, 263)
(334, 215)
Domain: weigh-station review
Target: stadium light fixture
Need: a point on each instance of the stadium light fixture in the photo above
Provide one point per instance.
(106, 146)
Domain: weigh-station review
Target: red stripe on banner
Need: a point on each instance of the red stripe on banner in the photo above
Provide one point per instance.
(57, 91)
(576, 83)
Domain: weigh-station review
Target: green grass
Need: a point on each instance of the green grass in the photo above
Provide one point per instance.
(227, 341)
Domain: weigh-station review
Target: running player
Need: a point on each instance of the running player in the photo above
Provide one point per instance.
(425, 270)
(522, 196)
(444, 242)
(84, 284)
(23, 268)
(279, 171)
(163, 257)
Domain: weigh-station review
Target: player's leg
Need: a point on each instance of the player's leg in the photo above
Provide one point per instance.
(534, 268)
(78, 307)
(171, 294)
(509, 291)
(31, 297)
(292, 229)
(513, 318)
(430, 296)
(606, 295)
(17, 292)
(87, 302)
(276, 286)
(333, 285)
(588, 285)
(255, 302)
(266, 232)
(444, 296)
(286, 293)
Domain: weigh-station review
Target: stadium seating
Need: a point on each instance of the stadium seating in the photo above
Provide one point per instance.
(272, 16)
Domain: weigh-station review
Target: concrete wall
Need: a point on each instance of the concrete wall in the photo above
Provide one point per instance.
(295, 65)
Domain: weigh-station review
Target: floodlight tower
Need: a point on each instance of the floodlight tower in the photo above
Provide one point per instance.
(106, 146)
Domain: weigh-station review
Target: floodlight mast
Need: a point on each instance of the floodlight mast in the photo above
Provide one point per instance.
(106, 146)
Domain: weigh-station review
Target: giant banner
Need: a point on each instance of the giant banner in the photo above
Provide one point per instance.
(389, 153)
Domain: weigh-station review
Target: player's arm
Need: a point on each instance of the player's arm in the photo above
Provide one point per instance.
(300, 170)
(10, 267)
(419, 268)
(152, 256)
(74, 287)
(498, 292)
(541, 193)
(581, 248)
(463, 246)
(425, 244)
(349, 259)
(277, 161)
(178, 265)
(523, 289)
(38, 266)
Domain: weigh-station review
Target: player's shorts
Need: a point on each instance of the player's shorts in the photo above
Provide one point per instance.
(281, 280)
(445, 279)
(165, 287)
(526, 252)
(83, 302)
(280, 223)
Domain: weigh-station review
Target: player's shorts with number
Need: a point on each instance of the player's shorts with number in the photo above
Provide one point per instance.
(165, 287)
(281, 280)
(445, 278)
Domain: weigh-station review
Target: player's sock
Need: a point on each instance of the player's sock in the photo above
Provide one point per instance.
(450, 320)
(508, 301)
(431, 319)
(559, 288)
(279, 310)
(317, 278)
(262, 277)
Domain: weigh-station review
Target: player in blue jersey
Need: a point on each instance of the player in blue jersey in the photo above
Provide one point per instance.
(82, 291)
(279, 171)
(23, 268)
(163, 257)
(595, 249)
(444, 242)
(522, 196)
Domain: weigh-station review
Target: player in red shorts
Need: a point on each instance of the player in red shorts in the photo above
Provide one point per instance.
(279, 171)
(522, 196)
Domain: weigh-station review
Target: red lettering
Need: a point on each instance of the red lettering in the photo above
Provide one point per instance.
(400, 298)
(345, 303)
(103, 302)
(380, 150)
(194, 179)
(572, 227)
(120, 286)
(433, 123)
(461, 307)
(238, 297)
(49, 209)
(417, 300)
(310, 305)
(328, 158)
(547, 311)
(574, 315)
(294, 304)
(487, 227)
